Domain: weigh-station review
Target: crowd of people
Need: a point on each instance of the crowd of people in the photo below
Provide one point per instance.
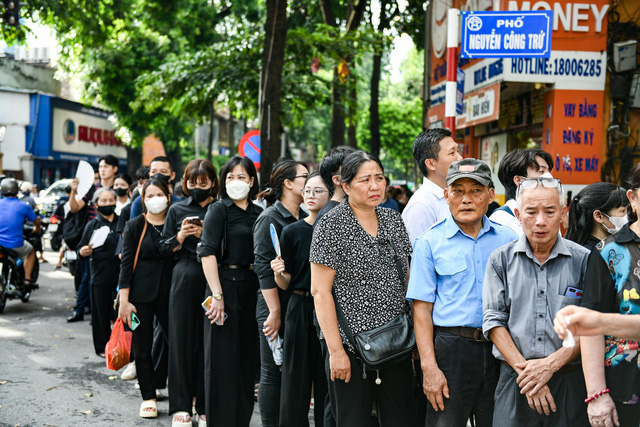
(318, 288)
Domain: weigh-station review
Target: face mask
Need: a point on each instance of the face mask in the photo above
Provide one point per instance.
(199, 194)
(161, 177)
(107, 210)
(157, 204)
(121, 192)
(237, 190)
(617, 221)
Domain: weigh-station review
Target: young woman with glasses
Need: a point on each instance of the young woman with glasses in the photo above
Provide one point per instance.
(302, 364)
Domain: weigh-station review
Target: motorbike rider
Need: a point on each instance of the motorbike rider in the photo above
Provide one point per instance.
(13, 214)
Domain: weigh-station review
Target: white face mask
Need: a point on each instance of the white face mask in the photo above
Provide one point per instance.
(157, 204)
(237, 190)
(617, 221)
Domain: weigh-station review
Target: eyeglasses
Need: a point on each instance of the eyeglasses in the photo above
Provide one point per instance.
(315, 192)
(305, 176)
(529, 183)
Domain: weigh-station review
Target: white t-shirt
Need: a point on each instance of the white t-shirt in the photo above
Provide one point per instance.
(503, 217)
(426, 207)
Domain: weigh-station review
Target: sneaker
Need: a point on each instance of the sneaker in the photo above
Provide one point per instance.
(129, 372)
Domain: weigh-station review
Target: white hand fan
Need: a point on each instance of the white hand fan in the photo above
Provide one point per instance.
(99, 236)
(85, 175)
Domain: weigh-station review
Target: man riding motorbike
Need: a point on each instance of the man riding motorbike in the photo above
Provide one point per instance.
(13, 214)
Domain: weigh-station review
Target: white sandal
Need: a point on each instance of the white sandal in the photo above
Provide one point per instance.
(145, 407)
(184, 415)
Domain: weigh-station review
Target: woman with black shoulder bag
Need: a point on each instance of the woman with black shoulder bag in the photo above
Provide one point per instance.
(359, 264)
(145, 280)
(226, 253)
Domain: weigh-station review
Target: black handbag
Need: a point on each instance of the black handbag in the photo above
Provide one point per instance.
(385, 345)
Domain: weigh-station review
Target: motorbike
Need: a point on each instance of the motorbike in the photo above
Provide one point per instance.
(12, 285)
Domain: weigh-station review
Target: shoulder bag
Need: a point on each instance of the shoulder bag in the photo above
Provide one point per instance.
(116, 302)
(385, 345)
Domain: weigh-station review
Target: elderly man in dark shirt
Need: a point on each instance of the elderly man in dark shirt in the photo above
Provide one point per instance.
(526, 283)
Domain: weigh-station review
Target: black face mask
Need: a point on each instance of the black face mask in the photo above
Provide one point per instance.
(162, 177)
(121, 192)
(199, 194)
(107, 210)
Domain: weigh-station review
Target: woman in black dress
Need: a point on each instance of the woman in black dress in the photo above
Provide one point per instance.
(226, 251)
(284, 198)
(182, 231)
(104, 263)
(302, 363)
(145, 279)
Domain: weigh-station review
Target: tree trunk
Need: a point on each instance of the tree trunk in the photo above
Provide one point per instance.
(353, 106)
(272, 64)
(337, 111)
(374, 110)
(212, 115)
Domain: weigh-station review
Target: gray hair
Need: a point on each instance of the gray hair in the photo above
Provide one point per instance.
(521, 191)
(99, 192)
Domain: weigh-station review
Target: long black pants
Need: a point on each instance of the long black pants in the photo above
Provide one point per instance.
(230, 352)
(302, 366)
(270, 374)
(160, 352)
(102, 296)
(186, 354)
(142, 341)
(351, 402)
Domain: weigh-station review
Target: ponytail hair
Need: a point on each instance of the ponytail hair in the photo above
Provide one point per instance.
(282, 171)
(600, 196)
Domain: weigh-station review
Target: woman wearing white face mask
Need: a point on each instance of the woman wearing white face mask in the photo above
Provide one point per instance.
(145, 280)
(596, 212)
(226, 252)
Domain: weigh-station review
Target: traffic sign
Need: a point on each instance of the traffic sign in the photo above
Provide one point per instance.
(513, 34)
(249, 146)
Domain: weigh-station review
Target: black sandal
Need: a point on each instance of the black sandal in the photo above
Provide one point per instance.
(31, 284)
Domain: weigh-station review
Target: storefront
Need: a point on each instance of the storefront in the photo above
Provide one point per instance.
(63, 133)
(556, 104)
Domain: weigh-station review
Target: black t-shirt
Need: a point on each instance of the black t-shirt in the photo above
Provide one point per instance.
(125, 213)
(238, 232)
(330, 205)
(105, 265)
(172, 225)
(612, 285)
(295, 244)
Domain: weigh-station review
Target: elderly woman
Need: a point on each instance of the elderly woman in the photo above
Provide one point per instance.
(596, 212)
(104, 266)
(612, 285)
(353, 253)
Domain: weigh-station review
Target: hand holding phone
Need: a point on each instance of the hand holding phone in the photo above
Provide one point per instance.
(194, 220)
(135, 322)
(206, 305)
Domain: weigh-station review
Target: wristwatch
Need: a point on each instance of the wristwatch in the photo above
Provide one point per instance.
(217, 297)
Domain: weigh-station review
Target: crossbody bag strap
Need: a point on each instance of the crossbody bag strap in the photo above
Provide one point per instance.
(342, 320)
(144, 230)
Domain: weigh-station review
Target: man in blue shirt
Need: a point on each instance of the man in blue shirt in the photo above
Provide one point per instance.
(13, 214)
(447, 271)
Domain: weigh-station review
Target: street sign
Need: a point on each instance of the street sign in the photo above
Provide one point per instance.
(249, 146)
(512, 34)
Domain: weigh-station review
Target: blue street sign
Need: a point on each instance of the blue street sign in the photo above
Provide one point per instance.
(459, 90)
(512, 34)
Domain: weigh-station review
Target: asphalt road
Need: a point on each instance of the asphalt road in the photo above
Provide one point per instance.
(49, 374)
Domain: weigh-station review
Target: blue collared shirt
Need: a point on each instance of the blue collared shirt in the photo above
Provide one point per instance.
(447, 269)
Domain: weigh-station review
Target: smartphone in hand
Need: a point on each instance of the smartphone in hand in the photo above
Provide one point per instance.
(206, 305)
(135, 322)
(194, 220)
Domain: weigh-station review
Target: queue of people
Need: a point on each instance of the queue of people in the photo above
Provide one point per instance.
(327, 292)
